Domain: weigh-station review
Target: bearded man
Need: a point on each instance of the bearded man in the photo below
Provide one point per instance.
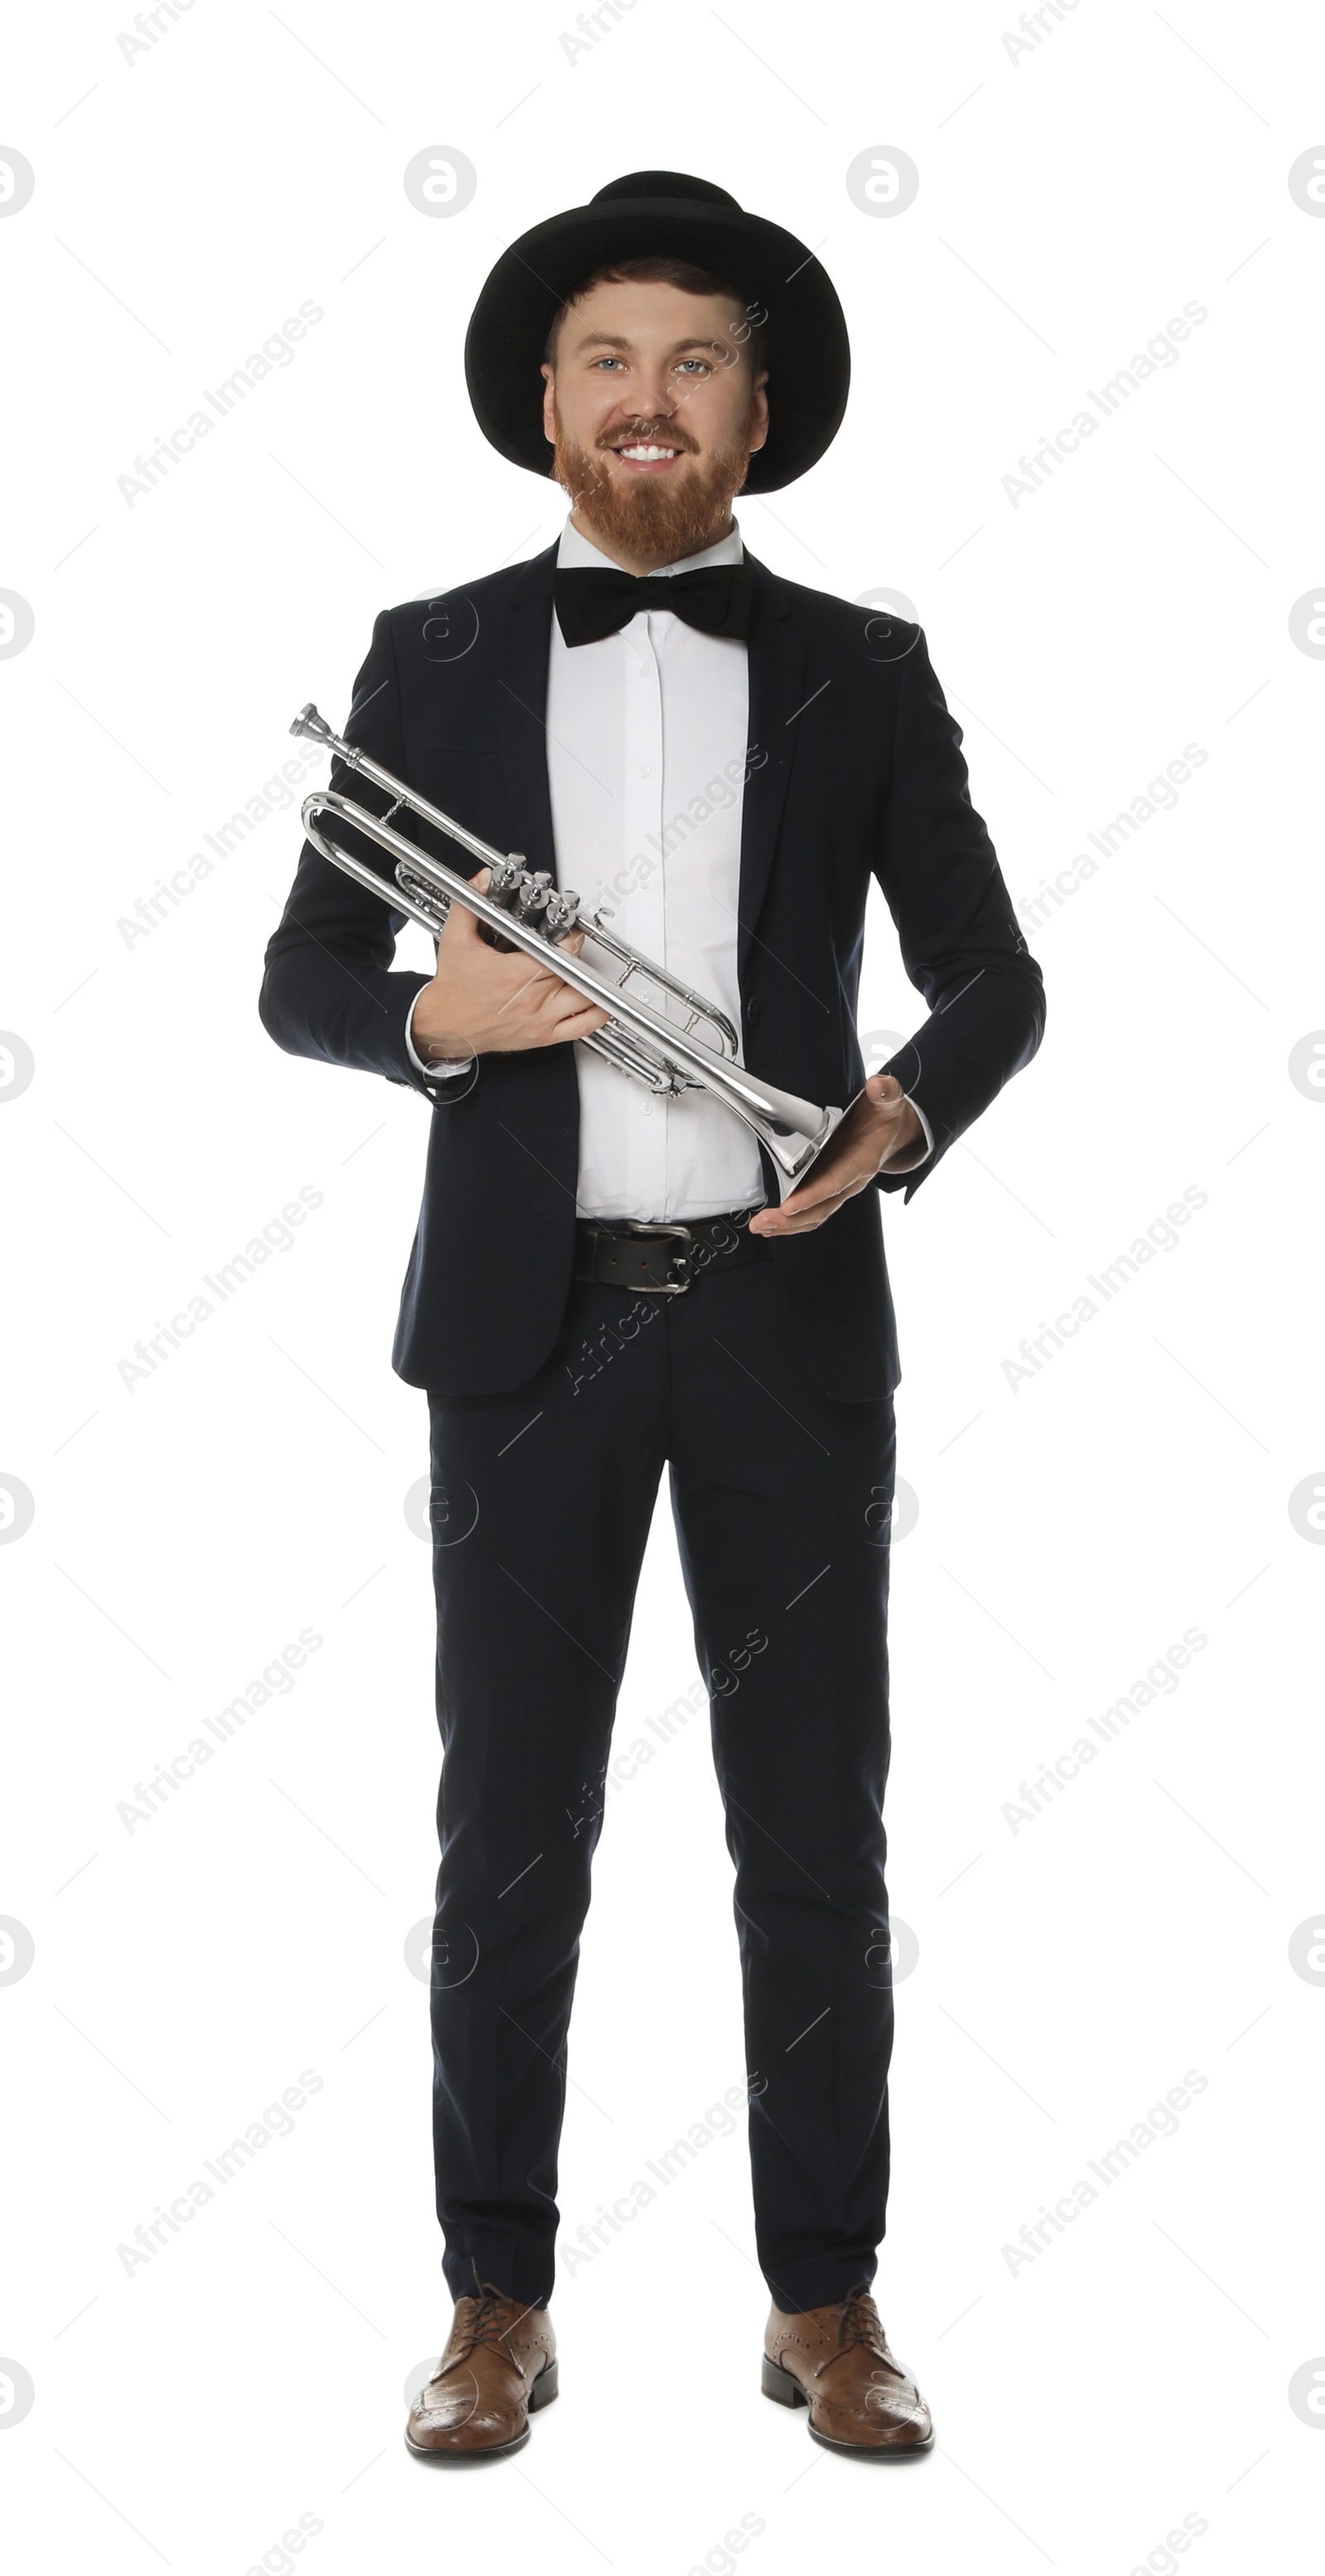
(606, 1279)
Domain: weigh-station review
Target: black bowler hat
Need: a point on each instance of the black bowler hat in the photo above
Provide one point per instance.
(788, 295)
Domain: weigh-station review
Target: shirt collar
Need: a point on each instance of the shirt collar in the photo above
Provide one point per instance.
(576, 550)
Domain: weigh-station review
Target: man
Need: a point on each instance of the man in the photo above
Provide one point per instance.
(603, 1280)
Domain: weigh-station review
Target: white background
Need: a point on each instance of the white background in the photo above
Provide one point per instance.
(1069, 1530)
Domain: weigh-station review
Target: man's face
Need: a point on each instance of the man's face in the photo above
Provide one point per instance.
(654, 414)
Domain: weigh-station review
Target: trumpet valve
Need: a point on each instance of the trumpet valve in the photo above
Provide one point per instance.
(563, 910)
(534, 895)
(504, 875)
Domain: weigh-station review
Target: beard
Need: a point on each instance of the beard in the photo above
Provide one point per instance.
(665, 515)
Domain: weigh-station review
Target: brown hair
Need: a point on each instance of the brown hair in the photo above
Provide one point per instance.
(658, 269)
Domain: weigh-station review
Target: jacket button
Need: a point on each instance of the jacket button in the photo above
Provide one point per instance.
(752, 1012)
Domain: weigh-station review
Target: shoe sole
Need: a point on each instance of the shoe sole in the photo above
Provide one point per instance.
(541, 2394)
(780, 2385)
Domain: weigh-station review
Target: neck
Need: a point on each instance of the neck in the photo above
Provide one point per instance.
(642, 564)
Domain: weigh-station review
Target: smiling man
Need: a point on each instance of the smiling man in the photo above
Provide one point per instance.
(603, 1282)
(654, 406)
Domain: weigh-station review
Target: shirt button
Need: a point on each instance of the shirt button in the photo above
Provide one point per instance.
(644, 772)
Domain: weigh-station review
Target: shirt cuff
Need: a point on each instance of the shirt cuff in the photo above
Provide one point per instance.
(905, 1169)
(443, 1065)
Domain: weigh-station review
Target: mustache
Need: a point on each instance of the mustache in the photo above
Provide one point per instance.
(649, 433)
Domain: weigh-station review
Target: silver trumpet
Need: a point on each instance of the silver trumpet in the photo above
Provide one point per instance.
(525, 910)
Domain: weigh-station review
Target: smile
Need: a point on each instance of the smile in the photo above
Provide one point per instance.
(645, 458)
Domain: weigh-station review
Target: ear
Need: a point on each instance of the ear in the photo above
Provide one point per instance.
(549, 397)
(759, 412)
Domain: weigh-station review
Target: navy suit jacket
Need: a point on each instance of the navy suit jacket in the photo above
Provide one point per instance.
(854, 770)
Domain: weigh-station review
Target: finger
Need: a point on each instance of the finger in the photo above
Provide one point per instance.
(528, 971)
(460, 922)
(579, 1024)
(833, 1185)
(802, 1204)
(781, 1223)
(580, 1010)
(801, 1209)
(570, 997)
(800, 1200)
(548, 1008)
(565, 1002)
(866, 1121)
(534, 988)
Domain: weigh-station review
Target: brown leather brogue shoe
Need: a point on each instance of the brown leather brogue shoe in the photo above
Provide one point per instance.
(836, 2361)
(499, 2365)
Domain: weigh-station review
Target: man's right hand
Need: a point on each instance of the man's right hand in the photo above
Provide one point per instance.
(483, 1000)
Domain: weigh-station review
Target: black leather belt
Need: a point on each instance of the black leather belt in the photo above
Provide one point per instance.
(663, 1260)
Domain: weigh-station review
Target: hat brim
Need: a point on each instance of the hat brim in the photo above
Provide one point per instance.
(808, 354)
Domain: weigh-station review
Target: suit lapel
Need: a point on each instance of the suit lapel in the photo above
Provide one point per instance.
(777, 674)
(545, 1086)
(522, 700)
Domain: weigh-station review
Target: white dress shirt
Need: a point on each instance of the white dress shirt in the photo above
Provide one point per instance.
(646, 748)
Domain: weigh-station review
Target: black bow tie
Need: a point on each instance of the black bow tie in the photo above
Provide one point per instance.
(591, 603)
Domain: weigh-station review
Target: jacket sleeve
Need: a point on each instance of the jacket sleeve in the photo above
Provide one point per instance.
(960, 940)
(329, 988)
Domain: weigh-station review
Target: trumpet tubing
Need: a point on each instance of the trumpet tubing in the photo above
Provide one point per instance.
(523, 909)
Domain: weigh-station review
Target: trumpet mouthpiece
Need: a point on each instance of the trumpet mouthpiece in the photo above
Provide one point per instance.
(308, 721)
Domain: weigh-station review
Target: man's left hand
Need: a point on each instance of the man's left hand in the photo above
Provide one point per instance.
(878, 1131)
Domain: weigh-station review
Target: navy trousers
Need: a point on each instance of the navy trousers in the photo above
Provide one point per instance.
(541, 1505)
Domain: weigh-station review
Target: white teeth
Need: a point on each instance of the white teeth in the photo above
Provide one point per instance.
(647, 455)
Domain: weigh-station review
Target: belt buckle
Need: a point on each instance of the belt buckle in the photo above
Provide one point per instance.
(669, 1287)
